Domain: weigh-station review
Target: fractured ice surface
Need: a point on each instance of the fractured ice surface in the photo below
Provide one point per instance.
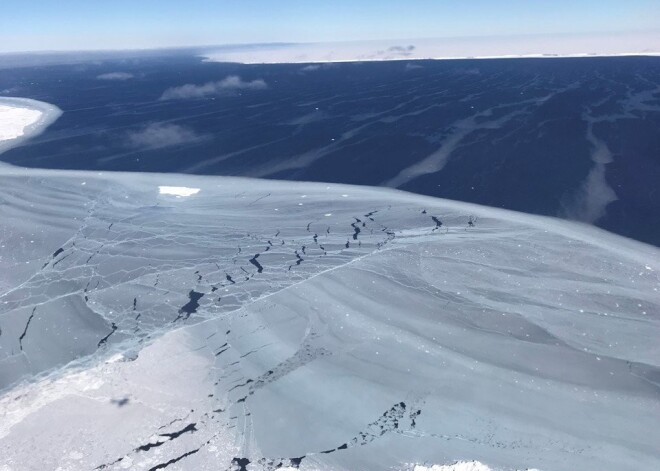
(261, 325)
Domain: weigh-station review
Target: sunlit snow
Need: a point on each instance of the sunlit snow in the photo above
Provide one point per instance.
(180, 191)
(14, 120)
(21, 118)
(459, 466)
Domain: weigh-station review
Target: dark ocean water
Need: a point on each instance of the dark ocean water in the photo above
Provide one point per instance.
(577, 138)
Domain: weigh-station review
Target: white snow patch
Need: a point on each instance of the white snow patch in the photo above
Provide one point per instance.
(458, 466)
(178, 191)
(14, 120)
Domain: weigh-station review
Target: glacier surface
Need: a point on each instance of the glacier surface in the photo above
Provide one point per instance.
(243, 324)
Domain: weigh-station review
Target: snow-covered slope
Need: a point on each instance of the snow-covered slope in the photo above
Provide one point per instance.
(246, 324)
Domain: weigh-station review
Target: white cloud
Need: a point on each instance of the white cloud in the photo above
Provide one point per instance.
(115, 76)
(410, 66)
(233, 82)
(315, 67)
(158, 135)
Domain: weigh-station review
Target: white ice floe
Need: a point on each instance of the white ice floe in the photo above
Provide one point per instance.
(13, 121)
(22, 118)
(178, 191)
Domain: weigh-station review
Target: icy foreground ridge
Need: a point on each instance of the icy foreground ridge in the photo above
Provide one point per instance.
(261, 325)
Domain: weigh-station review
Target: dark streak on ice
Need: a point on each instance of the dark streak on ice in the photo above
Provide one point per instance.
(242, 463)
(259, 199)
(57, 252)
(191, 306)
(254, 262)
(299, 259)
(20, 339)
(174, 460)
(120, 402)
(356, 228)
(105, 339)
(188, 428)
(388, 422)
(63, 258)
(241, 385)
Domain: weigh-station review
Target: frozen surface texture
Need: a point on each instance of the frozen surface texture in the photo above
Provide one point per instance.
(261, 325)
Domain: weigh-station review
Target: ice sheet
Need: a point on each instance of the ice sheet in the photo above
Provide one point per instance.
(541, 46)
(264, 324)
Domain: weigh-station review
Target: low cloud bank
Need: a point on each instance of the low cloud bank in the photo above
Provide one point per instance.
(159, 135)
(115, 76)
(315, 67)
(231, 83)
(410, 66)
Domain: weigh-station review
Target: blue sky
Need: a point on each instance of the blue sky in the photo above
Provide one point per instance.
(119, 24)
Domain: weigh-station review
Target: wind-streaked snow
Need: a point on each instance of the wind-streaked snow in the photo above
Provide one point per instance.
(209, 332)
